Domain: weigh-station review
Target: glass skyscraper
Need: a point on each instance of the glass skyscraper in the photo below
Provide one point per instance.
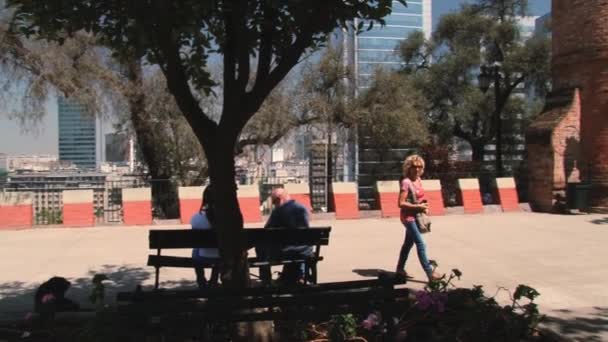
(77, 132)
(376, 47)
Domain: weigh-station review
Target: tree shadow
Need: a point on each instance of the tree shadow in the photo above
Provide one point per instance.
(600, 221)
(17, 297)
(589, 327)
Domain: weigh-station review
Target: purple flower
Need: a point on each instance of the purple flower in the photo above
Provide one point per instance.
(434, 301)
(28, 316)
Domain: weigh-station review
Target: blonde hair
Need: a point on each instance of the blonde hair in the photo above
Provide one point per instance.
(409, 162)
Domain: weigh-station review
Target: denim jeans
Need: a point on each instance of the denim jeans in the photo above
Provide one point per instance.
(413, 236)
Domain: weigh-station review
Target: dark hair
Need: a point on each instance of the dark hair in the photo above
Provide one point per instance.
(208, 205)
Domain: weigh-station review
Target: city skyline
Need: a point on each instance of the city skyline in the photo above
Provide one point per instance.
(42, 138)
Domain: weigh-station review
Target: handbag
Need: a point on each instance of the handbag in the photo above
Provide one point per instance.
(423, 221)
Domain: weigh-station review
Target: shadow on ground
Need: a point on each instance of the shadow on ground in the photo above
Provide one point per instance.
(600, 221)
(588, 327)
(371, 272)
(17, 298)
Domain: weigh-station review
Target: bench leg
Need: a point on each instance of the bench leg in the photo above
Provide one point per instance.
(313, 273)
(156, 278)
(265, 275)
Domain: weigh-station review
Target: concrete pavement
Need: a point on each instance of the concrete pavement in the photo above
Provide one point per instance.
(563, 257)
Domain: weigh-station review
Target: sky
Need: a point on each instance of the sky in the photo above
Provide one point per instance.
(42, 139)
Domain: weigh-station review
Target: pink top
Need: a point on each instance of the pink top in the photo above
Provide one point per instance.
(405, 187)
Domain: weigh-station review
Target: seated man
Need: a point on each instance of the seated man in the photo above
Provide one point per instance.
(288, 214)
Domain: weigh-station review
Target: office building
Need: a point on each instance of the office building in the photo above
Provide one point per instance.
(368, 51)
(77, 132)
(375, 48)
(542, 25)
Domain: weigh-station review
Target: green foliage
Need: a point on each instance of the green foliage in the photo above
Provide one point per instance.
(49, 216)
(342, 328)
(482, 33)
(442, 312)
(98, 292)
(200, 28)
(391, 111)
(98, 212)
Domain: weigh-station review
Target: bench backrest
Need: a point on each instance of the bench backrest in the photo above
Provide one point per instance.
(254, 237)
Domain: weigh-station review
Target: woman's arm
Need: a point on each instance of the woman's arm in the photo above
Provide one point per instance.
(405, 204)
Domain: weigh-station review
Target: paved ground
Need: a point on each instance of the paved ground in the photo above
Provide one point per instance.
(563, 257)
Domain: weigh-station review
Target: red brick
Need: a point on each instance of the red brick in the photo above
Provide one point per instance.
(187, 208)
(303, 199)
(78, 215)
(509, 200)
(16, 216)
(435, 200)
(389, 206)
(346, 205)
(580, 60)
(137, 213)
(250, 209)
(471, 200)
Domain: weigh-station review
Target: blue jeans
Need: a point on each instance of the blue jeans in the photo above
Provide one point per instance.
(413, 236)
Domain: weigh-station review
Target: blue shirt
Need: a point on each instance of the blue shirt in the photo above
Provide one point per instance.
(290, 215)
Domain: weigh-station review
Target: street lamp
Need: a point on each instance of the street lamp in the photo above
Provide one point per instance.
(487, 75)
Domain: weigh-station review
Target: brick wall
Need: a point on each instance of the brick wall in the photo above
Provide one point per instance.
(249, 202)
(553, 148)
(16, 210)
(301, 193)
(471, 197)
(345, 200)
(580, 50)
(137, 206)
(190, 200)
(388, 197)
(78, 208)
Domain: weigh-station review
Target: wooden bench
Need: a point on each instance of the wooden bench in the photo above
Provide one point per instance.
(254, 237)
(314, 302)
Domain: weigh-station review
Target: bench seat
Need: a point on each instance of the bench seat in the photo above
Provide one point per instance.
(160, 239)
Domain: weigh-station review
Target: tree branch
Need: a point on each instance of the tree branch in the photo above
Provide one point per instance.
(265, 55)
(242, 44)
(177, 81)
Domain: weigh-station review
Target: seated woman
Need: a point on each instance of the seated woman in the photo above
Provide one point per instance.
(204, 220)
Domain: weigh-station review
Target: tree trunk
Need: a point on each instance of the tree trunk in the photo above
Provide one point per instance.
(478, 151)
(229, 219)
(163, 194)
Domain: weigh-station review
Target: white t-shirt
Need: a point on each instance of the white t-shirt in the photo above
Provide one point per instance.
(200, 221)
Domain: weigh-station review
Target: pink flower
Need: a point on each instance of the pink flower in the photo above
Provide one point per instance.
(48, 298)
(371, 321)
(367, 324)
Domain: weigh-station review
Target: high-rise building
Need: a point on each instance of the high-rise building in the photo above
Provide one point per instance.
(542, 25)
(368, 51)
(375, 48)
(77, 132)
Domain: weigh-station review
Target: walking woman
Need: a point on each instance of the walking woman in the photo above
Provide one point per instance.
(413, 168)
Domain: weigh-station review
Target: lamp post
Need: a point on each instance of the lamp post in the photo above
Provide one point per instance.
(489, 74)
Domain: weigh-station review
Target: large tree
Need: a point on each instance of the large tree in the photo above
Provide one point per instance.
(268, 36)
(445, 68)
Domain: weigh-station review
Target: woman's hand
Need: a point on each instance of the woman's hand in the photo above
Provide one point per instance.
(424, 207)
